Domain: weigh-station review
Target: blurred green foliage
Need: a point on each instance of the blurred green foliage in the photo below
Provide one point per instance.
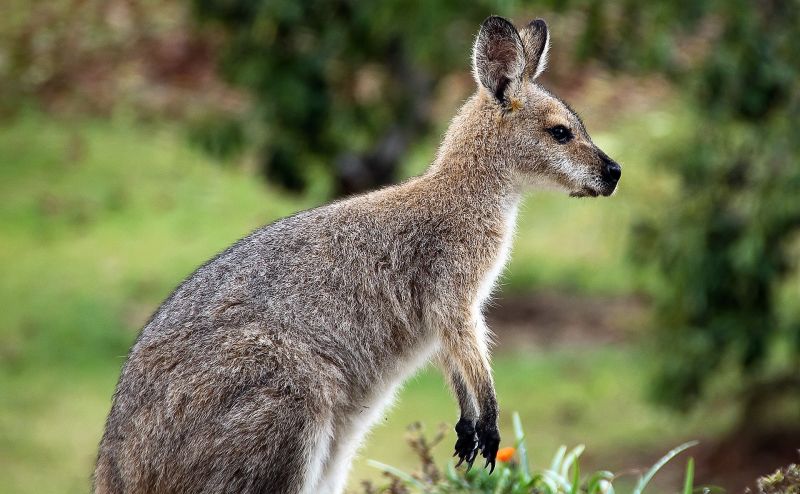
(727, 244)
(340, 87)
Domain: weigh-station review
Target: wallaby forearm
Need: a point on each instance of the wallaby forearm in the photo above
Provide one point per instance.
(467, 354)
(451, 372)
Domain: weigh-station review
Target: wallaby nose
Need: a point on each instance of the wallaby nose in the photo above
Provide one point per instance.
(611, 168)
(614, 171)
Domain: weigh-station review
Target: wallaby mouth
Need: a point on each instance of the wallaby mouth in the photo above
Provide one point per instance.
(605, 183)
(584, 192)
(606, 189)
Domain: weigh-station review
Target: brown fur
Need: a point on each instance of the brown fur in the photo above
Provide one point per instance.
(263, 371)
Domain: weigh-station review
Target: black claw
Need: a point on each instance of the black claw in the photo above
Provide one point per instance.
(488, 443)
(466, 444)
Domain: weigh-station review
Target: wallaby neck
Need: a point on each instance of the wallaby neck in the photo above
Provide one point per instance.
(471, 168)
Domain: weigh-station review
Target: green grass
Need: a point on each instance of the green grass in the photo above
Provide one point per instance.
(50, 424)
(93, 242)
(99, 220)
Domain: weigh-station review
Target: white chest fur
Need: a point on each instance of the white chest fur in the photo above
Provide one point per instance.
(490, 279)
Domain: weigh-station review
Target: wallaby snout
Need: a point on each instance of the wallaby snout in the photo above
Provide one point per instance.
(602, 179)
(611, 173)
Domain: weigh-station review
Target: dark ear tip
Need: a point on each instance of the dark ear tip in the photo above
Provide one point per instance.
(538, 25)
(495, 21)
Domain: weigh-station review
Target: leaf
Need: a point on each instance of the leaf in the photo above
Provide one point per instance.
(558, 458)
(560, 481)
(710, 489)
(452, 475)
(501, 483)
(595, 483)
(396, 472)
(688, 481)
(570, 459)
(522, 451)
(645, 479)
(576, 478)
(549, 486)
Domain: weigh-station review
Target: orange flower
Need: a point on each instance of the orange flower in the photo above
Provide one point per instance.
(505, 454)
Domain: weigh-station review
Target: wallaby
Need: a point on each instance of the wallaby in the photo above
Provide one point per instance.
(264, 370)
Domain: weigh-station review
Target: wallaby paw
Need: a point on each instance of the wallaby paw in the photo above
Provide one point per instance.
(488, 442)
(467, 442)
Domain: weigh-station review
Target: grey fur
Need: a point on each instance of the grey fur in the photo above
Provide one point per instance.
(263, 371)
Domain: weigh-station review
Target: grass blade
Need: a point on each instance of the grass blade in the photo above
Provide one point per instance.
(560, 481)
(645, 479)
(570, 459)
(452, 475)
(576, 479)
(522, 451)
(596, 481)
(555, 465)
(503, 481)
(548, 485)
(396, 472)
(688, 482)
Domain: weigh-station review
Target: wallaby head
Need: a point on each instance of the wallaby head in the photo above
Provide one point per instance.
(538, 136)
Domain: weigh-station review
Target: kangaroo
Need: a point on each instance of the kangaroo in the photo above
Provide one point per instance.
(265, 369)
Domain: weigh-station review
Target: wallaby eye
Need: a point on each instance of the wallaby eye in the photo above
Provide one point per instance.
(560, 133)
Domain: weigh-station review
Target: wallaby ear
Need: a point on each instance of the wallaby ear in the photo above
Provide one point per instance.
(536, 39)
(498, 56)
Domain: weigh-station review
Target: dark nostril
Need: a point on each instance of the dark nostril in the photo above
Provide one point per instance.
(611, 168)
(614, 170)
